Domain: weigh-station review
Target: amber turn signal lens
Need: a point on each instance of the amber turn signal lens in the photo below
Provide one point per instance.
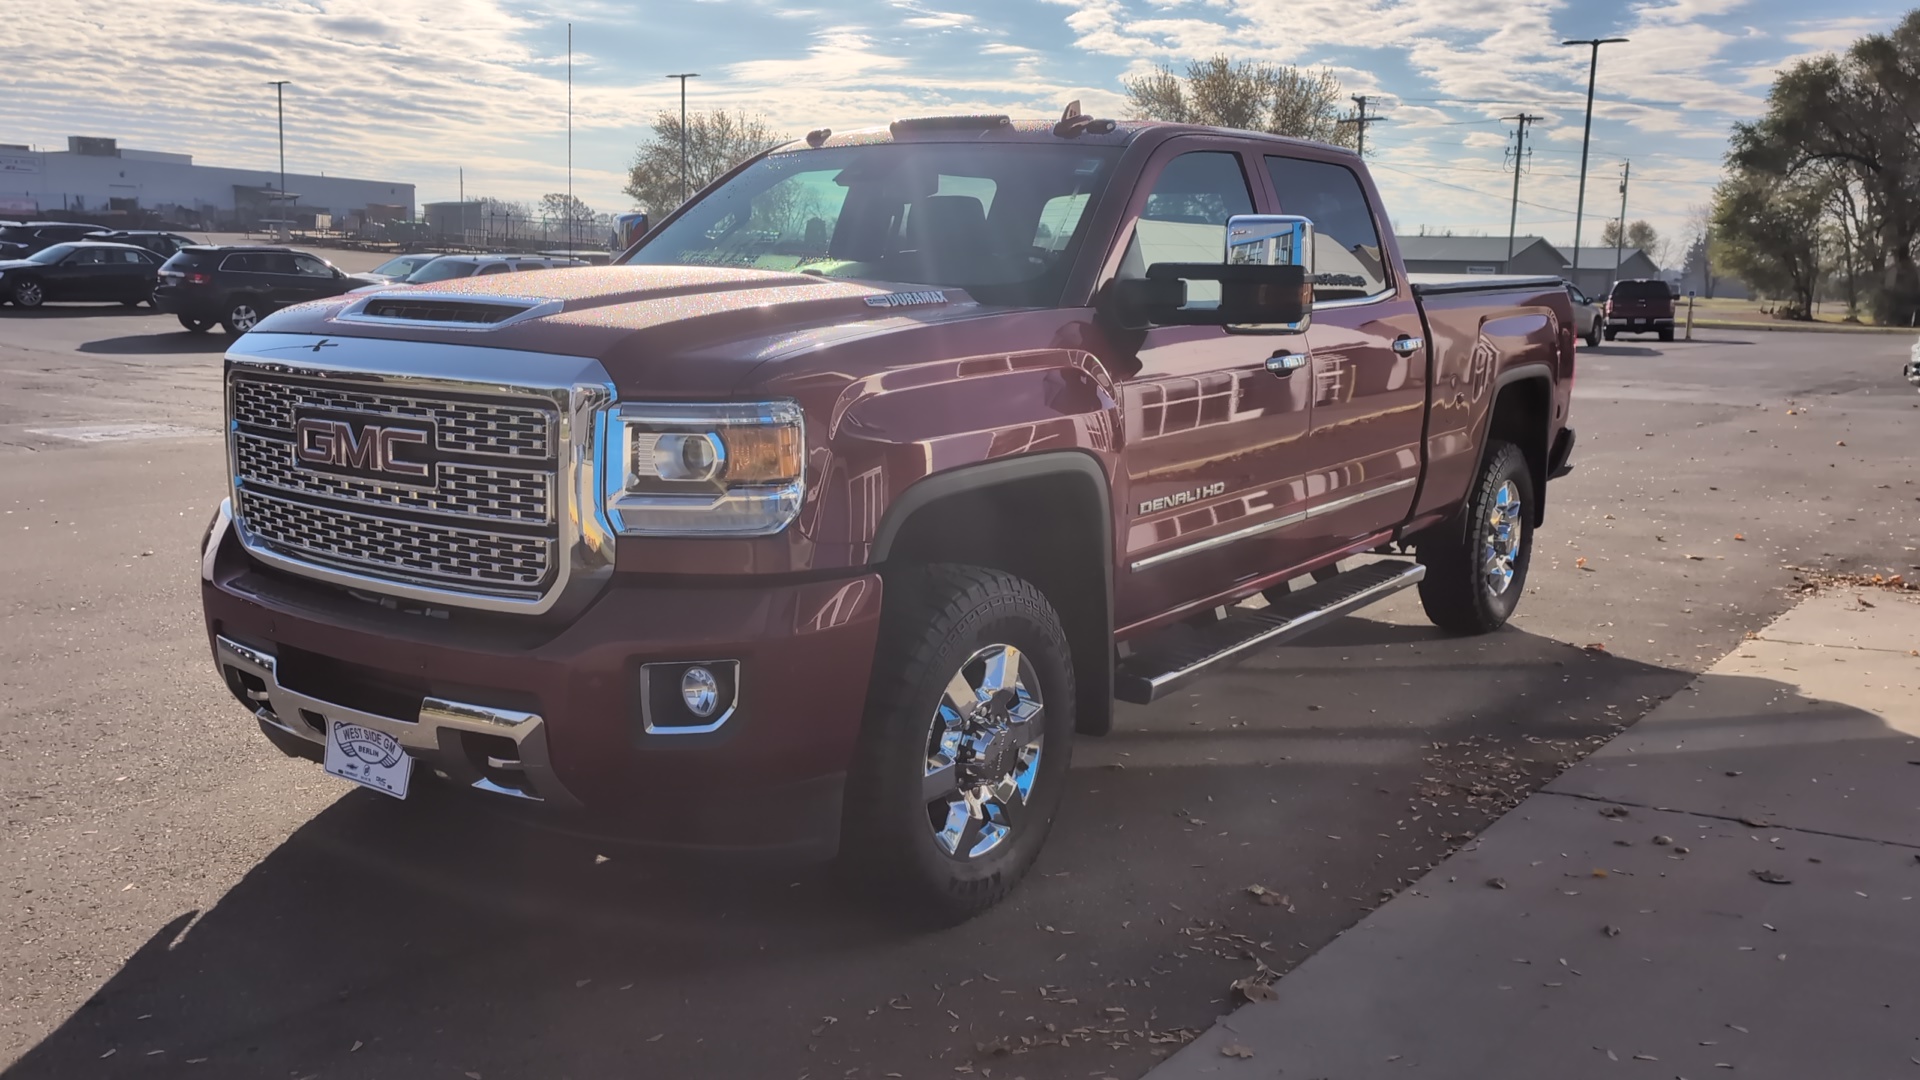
(761, 455)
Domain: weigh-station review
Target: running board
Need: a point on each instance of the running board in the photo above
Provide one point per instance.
(1154, 673)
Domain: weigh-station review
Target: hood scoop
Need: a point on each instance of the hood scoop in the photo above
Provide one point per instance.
(448, 311)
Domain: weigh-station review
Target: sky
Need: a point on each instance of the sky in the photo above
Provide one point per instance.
(418, 92)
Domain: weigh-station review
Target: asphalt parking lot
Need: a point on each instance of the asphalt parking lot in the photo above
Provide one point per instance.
(185, 900)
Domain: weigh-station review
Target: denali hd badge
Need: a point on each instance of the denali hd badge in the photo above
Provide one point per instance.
(338, 443)
(1191, 495)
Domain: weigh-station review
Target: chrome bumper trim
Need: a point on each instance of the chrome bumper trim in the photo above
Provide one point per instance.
(421, 736)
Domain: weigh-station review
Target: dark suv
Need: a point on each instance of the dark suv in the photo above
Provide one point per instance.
(20, 241)
(238, 286)
(1640, 306)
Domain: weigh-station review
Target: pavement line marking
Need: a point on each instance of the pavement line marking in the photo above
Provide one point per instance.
(99, 433)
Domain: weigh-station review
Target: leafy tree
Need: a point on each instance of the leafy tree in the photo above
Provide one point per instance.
(1766, 231)
(716, 141)
(1275, 98)
(1853, 115)
(1640, 234)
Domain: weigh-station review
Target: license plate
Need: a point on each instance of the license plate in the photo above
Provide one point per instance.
(372, 759)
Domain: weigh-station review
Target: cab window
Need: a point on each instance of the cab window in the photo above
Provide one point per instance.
(1347, 261)
(1185, 219)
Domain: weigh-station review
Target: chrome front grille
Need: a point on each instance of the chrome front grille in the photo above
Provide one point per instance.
(487, 520)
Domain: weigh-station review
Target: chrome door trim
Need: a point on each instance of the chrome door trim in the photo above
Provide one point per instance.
(1296, 518)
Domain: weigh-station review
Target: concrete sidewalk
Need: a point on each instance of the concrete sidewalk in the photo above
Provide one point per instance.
(1731, 885)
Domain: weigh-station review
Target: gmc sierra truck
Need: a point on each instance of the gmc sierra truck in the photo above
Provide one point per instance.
(832, 513)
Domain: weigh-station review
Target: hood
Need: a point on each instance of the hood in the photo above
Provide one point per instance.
(674, 329)
(15, 264)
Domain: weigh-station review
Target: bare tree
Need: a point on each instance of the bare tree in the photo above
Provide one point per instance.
(1251, 96)
(715, 142)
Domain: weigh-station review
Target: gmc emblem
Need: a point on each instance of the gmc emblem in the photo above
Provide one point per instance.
(327, 443)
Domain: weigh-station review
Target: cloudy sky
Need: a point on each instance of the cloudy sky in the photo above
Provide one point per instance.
(411, 91)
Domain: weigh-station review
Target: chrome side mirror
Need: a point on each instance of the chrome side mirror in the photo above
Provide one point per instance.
(1275, 240)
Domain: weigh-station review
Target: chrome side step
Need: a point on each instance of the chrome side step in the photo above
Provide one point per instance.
(1155, 672)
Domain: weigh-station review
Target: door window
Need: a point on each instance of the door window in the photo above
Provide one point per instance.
(1185, 219)
(308, 266)
(88, 257)
(1347, 261)
(494, 268)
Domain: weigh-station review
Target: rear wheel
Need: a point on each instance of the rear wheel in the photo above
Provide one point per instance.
(194, 324)
(29, 293)
(963, 752)
(1666, 334)
(1477, 561)
(1612, 333)
(242, 315)
(1593, 334)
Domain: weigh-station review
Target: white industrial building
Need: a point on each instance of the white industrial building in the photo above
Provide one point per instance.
(98, 178)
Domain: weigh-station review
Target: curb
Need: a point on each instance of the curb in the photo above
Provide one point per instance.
(1803, 328)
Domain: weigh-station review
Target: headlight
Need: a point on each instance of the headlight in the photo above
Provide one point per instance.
(733, 469)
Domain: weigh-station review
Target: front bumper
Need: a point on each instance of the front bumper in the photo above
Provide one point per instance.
(549, 715)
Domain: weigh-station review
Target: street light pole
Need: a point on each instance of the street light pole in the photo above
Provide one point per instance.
(683, 130)
(280, 107)
(1586, 140)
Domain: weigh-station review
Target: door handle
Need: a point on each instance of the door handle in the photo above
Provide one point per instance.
(1286, 363)
(1407, 346)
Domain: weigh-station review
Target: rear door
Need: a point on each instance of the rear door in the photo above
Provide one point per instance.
(134, 273)
(1210, 432)
(1369, 357)
(82, 275)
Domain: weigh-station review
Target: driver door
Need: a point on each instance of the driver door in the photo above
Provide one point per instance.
(1211, 496)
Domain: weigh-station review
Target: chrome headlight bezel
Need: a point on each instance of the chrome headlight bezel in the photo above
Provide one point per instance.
(711, 506)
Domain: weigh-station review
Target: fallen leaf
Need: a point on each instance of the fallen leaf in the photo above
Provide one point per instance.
(1253, 989)
(1235, 1050)
(1739, 536)
(1610, 931)
(1496, 883)
(1595, 647)
(658, 1037)
(1663, 841)
(1581, 562)
(1770, 877)
(357, 1044)
(1613, 811)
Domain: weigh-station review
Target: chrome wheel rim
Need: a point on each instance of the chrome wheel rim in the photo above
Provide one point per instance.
(983, 752)
(244, 317)
(1502, 539)
(28, 294)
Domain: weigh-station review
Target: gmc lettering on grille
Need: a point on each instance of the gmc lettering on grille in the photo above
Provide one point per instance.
(323, 442)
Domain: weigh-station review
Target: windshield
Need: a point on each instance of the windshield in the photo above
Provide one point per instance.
(404, 265)
(49, 256)
(441, 270)
(999, 220)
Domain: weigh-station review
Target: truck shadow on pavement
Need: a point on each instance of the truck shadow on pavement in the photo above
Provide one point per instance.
(437, 938)
(159, 344)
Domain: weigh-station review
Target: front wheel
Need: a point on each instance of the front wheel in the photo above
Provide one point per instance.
(194, 324)
(963, 752)
(1477, 560)
(1593, 335)
(242, 316)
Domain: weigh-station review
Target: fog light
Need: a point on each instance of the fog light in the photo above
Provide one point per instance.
(700, 691)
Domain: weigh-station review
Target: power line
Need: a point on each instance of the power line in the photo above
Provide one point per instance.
(1361, 121)
(1469, 190)
(1519, 165)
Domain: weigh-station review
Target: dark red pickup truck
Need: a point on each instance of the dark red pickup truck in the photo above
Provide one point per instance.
(832, 513)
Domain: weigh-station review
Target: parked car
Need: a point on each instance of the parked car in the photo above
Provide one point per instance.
(80, 271)
(398, 267)
(1911, 370)
(163, 244)
(237, 286)
(1640, 306)
(836, 539)
(1589, 315)
(454, 267)
(20, 241)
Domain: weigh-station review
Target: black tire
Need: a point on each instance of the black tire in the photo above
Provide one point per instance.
(1666, 334)
(28, 294)
(132, 302)
(1612, 333)
(195, 325)
(1459, 592)
(243, 314)
(1593, 335)
(939, 620)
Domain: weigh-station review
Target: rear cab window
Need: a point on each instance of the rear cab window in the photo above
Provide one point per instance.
(1347, 261)
(1643, 291)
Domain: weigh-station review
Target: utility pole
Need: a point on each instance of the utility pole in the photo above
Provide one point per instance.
(683, 130)
(570, 138)
(280, 107)
(1519, 163)
(1586, 141)
(1362, 120)
(1620, 237)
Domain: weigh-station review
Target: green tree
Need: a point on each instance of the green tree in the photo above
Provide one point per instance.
(716, 141)
(1766, 231)
(1640, 234)
(1275, 98)
(1857, 116)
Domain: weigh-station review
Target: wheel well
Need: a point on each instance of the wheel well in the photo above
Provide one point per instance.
(1052, 528)
(1520, 417)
